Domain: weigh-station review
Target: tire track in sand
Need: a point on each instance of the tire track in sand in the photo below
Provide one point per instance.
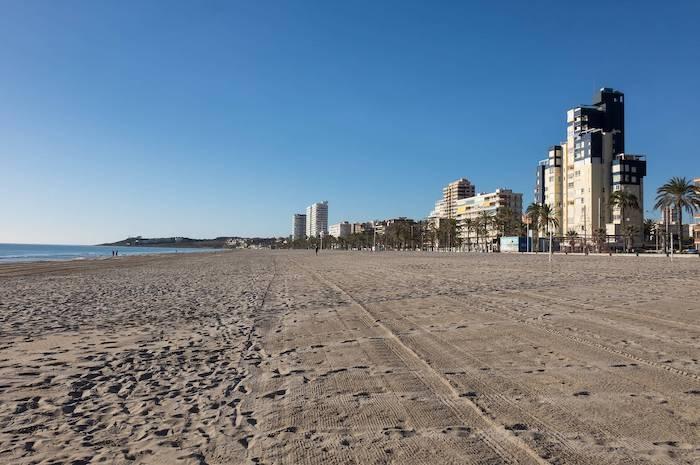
(580, 340)
(508, 447)
(556, 445)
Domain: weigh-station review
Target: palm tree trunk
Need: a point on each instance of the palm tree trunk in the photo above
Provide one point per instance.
(622, 228)
(680, 228)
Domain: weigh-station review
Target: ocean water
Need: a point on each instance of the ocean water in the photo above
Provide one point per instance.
(41, 252)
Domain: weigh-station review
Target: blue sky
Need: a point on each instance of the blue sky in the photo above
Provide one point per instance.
(224, 118)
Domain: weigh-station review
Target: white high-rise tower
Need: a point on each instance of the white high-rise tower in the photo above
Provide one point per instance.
(317, 219)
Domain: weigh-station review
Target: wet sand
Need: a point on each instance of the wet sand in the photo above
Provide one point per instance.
(348, 357)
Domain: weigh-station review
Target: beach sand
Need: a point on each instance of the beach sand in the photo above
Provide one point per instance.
(350, 357)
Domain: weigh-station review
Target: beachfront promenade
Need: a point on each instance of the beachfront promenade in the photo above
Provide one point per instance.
(351, 357)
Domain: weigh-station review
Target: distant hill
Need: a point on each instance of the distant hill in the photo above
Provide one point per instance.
(183, 242)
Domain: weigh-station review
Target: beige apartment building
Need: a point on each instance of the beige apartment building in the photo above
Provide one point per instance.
(445, 208)
(493, 203)
(455, 191)
(579, 175)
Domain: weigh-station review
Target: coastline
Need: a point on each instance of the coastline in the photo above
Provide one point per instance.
(11, 269)
(30, 253)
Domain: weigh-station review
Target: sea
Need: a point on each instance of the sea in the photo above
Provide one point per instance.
(46, 252)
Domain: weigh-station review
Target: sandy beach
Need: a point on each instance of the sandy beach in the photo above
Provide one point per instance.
(274, 357)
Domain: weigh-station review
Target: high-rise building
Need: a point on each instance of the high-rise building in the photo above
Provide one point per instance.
(451, 193)
(540, 181)
(317, 219)
(579, 175)
(454, 191)
(299, 226)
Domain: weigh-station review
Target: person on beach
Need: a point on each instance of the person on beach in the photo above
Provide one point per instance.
(316, 249)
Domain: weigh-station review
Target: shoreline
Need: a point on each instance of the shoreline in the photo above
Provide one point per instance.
(37, 267)
(125, 254)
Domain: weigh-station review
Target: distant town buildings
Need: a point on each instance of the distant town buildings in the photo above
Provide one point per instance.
(578, 179)
(579, 175)
(340, 230)
(299, 226)
(317, 219)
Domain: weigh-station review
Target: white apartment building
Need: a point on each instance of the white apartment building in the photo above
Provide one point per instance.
(343, 229)
(317, 219)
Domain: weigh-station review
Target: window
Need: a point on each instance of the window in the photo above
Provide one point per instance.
(634, 169)
(634, 178)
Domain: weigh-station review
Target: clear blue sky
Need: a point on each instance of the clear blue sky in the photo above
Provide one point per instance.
(224, 118)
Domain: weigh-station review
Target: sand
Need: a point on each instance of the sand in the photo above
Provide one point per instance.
(349, 357)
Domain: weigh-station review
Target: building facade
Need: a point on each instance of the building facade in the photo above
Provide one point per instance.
(445, 208)
(696, 226)
(317, 219)
(455, 191)
(582, 172)
(501, 203)
(343, 229)
(299, 226)
(359, 228)
(540, 182)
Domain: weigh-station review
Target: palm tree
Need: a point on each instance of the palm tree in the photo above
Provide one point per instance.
(682, 194)
(548, 218)
(649, 227)
(628, 233)
(599, 238)
(571, 236)
(432, 234)
(533, 214)
(484, 221)
(503, 221)
(469, 225)
(623, 200)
